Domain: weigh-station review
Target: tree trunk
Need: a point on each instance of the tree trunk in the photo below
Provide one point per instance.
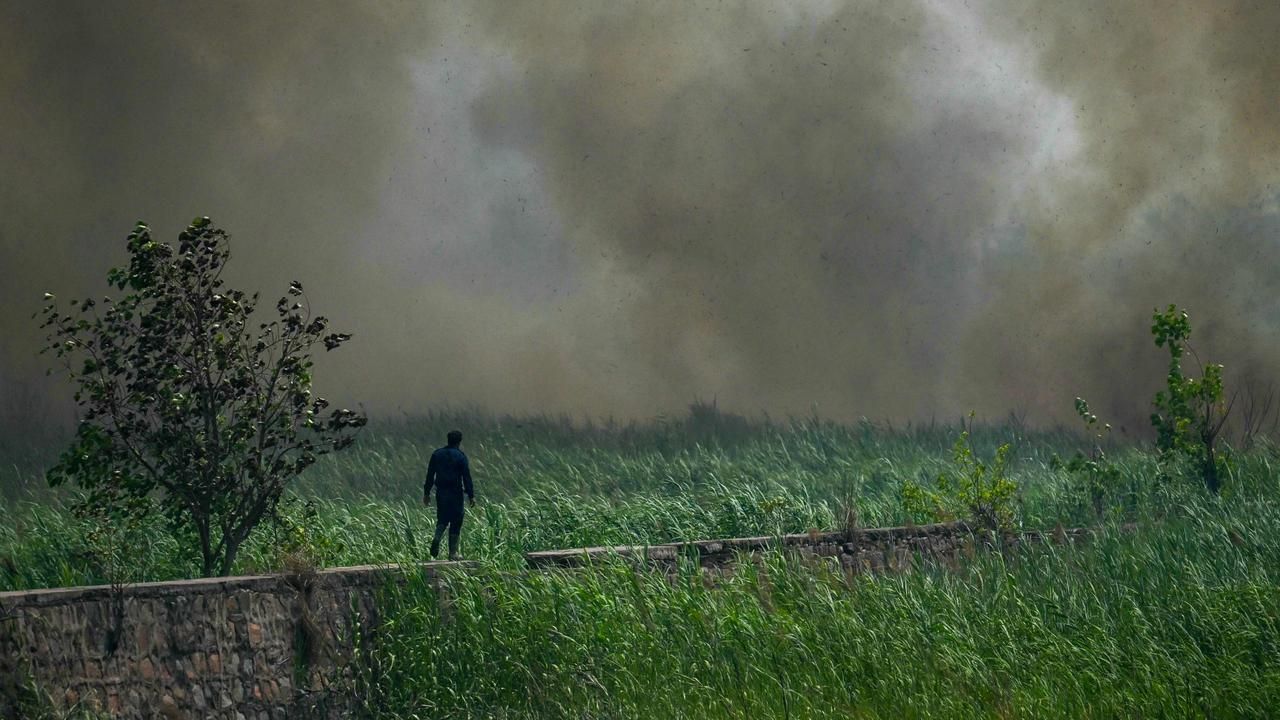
(1211, 469)
(206, 548)
(231, 549)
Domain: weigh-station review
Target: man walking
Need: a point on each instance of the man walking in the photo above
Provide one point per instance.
(450, 472)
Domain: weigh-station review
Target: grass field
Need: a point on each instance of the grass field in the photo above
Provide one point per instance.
(1179, 617)
(546, 483)
(1171, 621)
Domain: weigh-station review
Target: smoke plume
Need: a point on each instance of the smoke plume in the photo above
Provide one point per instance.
(893, 210)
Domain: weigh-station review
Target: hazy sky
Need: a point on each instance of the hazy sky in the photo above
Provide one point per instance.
(884, 209)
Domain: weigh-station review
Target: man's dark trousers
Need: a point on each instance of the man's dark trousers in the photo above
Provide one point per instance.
(449, 512)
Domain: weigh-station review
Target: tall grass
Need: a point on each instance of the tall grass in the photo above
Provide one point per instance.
(1179, 617)
(1171, 620)
(547, 483)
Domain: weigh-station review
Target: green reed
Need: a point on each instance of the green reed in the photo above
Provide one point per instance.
(1168, 620)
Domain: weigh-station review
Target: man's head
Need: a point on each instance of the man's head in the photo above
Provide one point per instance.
(455, 438)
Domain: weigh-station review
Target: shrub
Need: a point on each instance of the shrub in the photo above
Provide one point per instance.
(1094, 474)
(973, 489)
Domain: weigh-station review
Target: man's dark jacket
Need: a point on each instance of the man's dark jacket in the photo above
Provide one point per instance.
(450, 472)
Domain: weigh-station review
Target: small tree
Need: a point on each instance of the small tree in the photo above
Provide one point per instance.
(1189, 412)
(187, 407)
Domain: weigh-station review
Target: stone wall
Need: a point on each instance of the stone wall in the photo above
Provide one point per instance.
(240, 647)
(263, 647)
(862, 550)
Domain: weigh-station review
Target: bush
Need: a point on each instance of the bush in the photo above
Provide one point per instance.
(973, 489)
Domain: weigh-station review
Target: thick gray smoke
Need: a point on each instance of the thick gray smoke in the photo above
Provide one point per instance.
(892, 210)
(1170, 196)
(276, 120)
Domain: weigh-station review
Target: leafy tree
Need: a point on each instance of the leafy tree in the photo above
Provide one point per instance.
(187, 407)
(975, 489)
(1189, 412)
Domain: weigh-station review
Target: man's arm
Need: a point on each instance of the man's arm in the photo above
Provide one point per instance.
(432, 469)
(466, 480)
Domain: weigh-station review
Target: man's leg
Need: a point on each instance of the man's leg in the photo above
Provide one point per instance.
(455, 533)
(442, 522)
(435, 542)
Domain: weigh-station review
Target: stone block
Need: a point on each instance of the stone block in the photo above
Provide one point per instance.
(255, 634)
(197, 697)
(169, 708)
